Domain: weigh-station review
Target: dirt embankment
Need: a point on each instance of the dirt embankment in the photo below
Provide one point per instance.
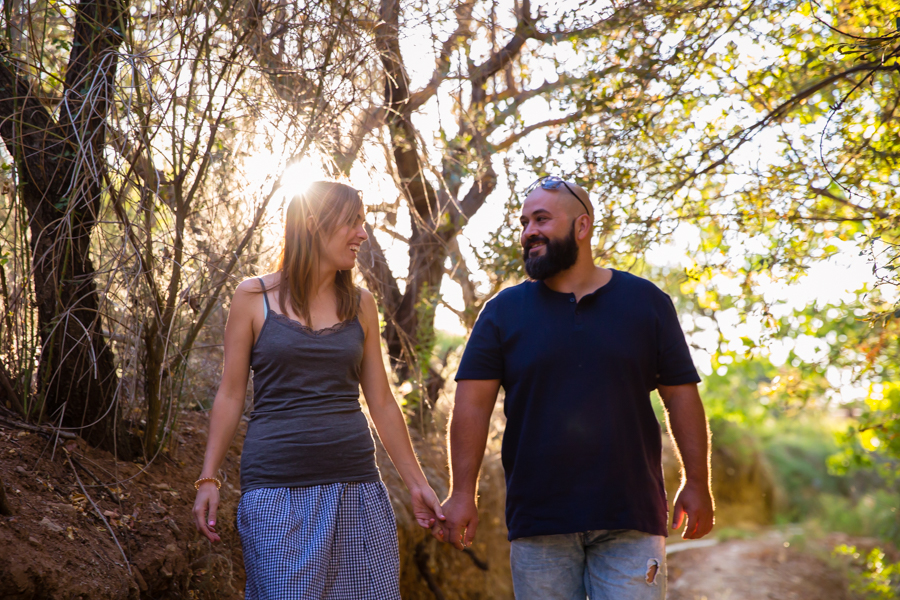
(58, 546)
(123, 532)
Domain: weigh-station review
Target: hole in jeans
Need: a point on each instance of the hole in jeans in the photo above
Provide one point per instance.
(652, 571)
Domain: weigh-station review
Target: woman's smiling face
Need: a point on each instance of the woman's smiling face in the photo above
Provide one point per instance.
(340, 248)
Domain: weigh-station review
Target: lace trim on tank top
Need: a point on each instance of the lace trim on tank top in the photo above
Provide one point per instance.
(309, 330)
(297, 324)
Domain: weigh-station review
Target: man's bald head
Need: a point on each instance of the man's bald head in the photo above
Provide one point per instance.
(573, 200)
(583, 196)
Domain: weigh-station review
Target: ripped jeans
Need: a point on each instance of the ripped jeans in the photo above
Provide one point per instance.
(619, 564)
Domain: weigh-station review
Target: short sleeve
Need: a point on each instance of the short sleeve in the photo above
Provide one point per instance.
(483, 356)
(674, 363)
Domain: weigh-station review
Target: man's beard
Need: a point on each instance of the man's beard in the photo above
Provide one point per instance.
(558, 256)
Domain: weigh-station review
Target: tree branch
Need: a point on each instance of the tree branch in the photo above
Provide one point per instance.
(525, 30)
(394, 234)
(779, 111)
(463, 31)
(377, 274)
(371, 118)
(404, 141)
(25, 124)
(478, 193)
(874, 210)
(512, 139)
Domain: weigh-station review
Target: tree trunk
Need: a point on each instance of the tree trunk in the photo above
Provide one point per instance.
(77, 377)
(153, 389)
(436, 218)
(61, 168)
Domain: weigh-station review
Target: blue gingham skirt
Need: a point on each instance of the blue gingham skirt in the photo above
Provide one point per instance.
(324, 542)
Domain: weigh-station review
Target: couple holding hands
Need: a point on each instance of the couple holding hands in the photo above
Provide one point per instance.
(577, 348)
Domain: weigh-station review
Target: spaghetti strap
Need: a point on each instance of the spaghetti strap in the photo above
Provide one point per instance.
(265, 298)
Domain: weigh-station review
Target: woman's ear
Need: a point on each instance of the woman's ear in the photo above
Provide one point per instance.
(311, 224)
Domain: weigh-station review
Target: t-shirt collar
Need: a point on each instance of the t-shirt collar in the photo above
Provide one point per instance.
(596, 293)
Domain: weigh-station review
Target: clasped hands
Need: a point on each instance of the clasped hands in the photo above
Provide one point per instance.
(459, 521)
(456, 521)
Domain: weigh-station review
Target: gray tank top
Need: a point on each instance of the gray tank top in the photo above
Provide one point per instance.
(307, 426)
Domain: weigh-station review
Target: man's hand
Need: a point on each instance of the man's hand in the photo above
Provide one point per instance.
(695, 502)
(462, 521)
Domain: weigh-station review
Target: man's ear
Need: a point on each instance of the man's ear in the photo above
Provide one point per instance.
(583, 227)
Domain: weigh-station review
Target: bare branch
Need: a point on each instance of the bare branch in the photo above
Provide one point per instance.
(512, 139)
(393, 234)
(377, 274)
(369, 120)
(442, 68)
(775, 114)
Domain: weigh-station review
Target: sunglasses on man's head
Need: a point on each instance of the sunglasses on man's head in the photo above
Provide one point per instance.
(552, 182)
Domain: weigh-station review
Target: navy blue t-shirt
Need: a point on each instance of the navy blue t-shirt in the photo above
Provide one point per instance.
(582, 446)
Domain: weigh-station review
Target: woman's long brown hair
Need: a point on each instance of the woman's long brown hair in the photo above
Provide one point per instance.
(329, 203)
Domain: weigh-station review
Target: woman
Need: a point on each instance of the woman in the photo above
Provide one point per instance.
(314, 518)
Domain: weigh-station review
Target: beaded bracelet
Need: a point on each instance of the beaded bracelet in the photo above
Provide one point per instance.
(205, 479)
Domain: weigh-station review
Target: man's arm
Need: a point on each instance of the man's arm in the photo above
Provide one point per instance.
(690, 434)
(469, 426)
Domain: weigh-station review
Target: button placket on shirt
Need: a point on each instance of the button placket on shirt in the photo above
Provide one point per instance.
(578, 310)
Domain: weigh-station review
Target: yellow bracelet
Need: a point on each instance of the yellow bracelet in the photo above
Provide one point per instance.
(205, 479)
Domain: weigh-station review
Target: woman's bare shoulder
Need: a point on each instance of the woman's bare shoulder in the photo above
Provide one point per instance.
(252, 285)
(367, 302)
(368, 310)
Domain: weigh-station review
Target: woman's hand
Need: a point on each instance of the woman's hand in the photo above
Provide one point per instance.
(426, 506)
(205, 507)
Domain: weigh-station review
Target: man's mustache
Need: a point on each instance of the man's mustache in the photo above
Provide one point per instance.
(526, 246)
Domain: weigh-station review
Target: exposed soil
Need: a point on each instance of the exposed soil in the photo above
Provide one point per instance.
(771, 566)
(57, 546)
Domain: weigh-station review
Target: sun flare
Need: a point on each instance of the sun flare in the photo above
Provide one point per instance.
(299, 175)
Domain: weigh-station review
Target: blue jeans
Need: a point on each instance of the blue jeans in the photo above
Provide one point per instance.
(603, 564)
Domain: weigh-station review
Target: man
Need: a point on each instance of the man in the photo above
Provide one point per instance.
(578, 349)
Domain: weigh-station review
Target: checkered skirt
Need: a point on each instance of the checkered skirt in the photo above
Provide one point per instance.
(324, 542)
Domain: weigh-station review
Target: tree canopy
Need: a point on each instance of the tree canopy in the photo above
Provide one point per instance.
(146, 145)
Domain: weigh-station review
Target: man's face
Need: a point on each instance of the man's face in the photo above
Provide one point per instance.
(548, 235)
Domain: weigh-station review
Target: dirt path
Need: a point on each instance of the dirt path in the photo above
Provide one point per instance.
(757, 569)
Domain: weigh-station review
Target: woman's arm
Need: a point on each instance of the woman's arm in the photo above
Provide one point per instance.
(389, 420)
(229, 402)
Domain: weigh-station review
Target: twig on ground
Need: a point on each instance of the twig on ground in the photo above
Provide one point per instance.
(422, 564)
(100, 484)
(99, 513)
(481, 564)
(52, 431)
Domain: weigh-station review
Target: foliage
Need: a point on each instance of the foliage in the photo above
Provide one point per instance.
(879, 578)
(875, 441)
(767, 130)
(177, 195)
(872, 514)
